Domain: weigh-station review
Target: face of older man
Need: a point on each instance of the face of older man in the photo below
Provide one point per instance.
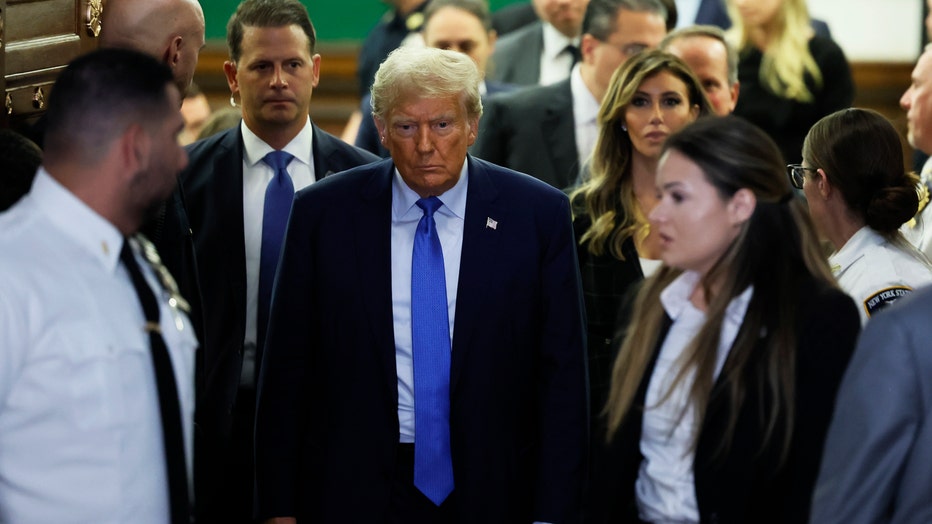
(917, 101)
(708, 59)
(427, 139)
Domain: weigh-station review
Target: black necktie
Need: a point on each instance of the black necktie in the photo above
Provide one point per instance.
(168, 393)
(573, 51)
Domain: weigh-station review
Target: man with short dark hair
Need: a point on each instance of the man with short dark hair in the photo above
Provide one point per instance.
(238, 190)
(97, 360)
(548, 132)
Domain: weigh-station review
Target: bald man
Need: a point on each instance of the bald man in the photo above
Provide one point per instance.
(172, 31)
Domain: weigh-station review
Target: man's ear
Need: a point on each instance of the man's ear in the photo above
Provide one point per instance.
(380, 125)
(173, 53)
(741, 206)
(229, 71)
(133, 148)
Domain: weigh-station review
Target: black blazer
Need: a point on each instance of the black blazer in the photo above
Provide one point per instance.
(532, 131)
(327, 419)
(516, 59)
(745, 485)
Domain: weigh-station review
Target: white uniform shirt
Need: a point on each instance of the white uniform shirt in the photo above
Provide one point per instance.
(919, 230)
(585, 116)
(665, 489)
(875, 272)
(80, 428)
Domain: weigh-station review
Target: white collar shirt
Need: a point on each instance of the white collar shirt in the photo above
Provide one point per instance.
(450, 219)
(555, 61)
(585, 116)
(686, 12)
(665, 488)
(876, 272)
(80, 426)
(256, 177)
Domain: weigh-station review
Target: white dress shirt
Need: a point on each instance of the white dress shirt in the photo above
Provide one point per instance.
(665, 489)
(555, 61)
(405, 215)
(686, 11)
(80, 426)
(585, 114)
(875, 272)
(256, 177)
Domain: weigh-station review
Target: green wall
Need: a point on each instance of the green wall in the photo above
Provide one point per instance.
(334, 20)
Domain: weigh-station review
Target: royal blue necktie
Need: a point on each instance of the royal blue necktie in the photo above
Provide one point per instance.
(430, 337)
(278, 197)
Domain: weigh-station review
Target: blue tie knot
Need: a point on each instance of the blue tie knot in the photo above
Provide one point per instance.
(278, 160)
(429, 205)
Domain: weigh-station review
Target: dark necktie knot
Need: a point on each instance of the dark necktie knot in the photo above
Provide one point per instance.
(278, 160)
(429, 205)
(573, 51)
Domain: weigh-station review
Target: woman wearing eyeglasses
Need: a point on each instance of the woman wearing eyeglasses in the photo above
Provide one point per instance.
(859, 195)
(723, 389)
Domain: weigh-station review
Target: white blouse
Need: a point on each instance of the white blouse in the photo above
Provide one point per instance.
(665, 490)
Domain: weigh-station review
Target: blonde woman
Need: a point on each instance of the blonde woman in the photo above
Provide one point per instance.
(652, 96)
(723, 389)
(790, 77)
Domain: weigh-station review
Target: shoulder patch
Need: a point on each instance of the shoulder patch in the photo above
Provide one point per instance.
(884, 298)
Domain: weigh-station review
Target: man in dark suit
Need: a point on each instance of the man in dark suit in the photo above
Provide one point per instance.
(229, 188)
(421, 366)
(460, 25)
(549, 131)
(538, 53)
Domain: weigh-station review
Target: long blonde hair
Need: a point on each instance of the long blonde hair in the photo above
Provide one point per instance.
(787, 59)
(776, 252)
(610, 164)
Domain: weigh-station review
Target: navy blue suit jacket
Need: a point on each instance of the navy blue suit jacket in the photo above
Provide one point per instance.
(714, 12)
(327, 421)
(213, 193)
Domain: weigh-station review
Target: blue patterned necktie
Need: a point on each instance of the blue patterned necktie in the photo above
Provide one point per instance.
(430, 337)
(278, 197)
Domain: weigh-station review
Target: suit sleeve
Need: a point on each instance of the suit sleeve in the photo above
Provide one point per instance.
(826, 342)
(563, 402)
(874, 427)
(280, 405)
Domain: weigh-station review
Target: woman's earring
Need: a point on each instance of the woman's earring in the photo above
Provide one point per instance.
(623, 127)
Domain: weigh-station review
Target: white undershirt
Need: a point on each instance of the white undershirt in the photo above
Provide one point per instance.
(555, 62)
(665, 490)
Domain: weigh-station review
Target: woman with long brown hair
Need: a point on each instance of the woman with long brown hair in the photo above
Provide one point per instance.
(652, 96)
(724, 386)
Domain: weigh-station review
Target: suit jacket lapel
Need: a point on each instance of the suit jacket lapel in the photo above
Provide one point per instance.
(559, 131)
(480, 243)
(321, 149)
(371, 234)
(230, 215)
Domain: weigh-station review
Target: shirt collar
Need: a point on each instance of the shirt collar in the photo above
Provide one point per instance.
(95, 234)
(585, 106)
(454, 199)
(675, 298)
(555, 42)
(255, 149)
(854, 249)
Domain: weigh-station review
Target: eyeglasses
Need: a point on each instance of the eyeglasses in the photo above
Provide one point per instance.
(628, 50)
(797, 174)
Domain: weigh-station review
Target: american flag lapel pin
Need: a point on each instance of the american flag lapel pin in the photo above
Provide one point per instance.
(491, 224)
